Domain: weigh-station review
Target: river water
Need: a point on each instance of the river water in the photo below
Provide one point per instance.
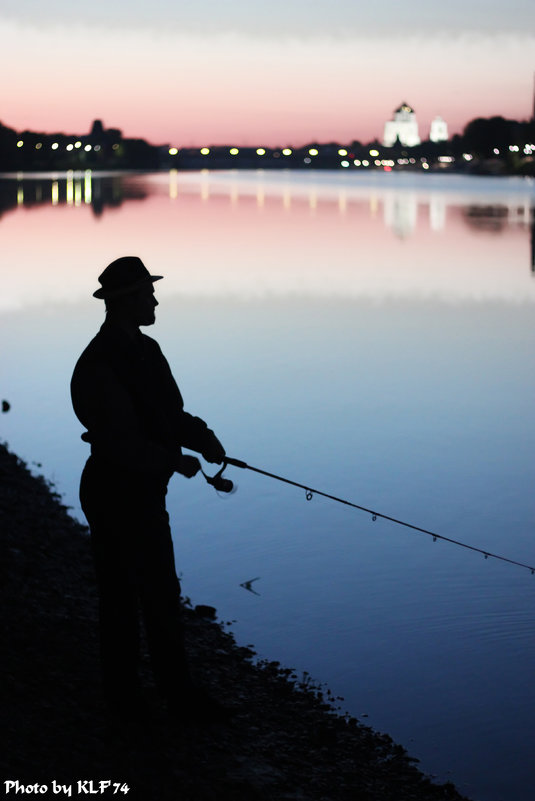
(368, 335)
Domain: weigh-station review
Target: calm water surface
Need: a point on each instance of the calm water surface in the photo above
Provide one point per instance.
(371, 336)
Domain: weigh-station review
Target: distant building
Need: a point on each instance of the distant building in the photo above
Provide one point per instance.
(439, 130)
(403, 128)
(97, 129)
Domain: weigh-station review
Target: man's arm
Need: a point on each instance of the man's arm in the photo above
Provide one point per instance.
(198, 437)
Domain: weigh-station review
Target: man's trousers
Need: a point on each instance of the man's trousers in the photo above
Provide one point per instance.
(134, 561)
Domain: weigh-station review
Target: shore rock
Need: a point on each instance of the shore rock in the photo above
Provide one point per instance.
(286, 742)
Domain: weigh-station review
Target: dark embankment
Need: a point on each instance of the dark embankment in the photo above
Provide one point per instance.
(285, 741)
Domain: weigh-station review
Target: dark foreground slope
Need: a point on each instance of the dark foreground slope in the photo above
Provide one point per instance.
(284, 743)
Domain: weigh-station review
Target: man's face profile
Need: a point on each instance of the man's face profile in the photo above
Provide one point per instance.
(146, 305)
(138, 307)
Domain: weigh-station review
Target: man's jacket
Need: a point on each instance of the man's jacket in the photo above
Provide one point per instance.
(124, 393)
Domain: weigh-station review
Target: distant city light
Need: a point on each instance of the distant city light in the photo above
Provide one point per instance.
(467, 156)
(342, 152)
(55, 145)
(96, 148)
(365, 163)
(313, 151)
(234, 151)
(387, 168)
(377, 162)
(173, 185)
(496, 151)
(286, 152)
(425, 165)
(205, 151)
(69, 189)
(78, 144)
(77, 193)
(513, 148)
(446, 159)
(344, 163)
(307, 160)
(356, 162)
(20, 143)
(39, 145)
(374, 153)
(115, 146)
(87, 148)
(87, 187)
(260, 151)
(70, 147)
(173, 151)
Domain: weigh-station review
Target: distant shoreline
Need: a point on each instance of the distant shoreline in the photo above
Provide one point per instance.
(481, 167)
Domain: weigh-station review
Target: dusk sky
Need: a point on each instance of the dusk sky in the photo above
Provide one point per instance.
(246, 72)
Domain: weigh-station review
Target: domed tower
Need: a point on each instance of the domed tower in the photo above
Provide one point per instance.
(403, 128)
(439, 130)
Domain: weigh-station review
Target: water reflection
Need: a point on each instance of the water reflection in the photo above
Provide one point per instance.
(401, 214)
(323, 234)
(401, 204)
(437, 213)
(100, 193)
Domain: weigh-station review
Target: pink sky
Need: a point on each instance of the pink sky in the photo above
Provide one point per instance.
(191, 90)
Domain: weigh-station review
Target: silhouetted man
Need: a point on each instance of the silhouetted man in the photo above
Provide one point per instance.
(124, 394)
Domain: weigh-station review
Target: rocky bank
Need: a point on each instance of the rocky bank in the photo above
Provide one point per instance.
(286, 742)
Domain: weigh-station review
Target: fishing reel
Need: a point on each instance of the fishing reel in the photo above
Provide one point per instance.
(219, 482)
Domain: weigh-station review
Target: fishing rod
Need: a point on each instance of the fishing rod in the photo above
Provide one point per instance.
(219, 482)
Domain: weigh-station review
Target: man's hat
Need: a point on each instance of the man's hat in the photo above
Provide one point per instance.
(123, 276)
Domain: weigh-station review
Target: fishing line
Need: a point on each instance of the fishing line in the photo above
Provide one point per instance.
(310, 492)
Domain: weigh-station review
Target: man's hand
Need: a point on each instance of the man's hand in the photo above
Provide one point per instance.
(189, 466)
(213, 451)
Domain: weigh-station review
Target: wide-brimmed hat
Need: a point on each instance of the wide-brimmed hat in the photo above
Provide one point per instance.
(123, 276)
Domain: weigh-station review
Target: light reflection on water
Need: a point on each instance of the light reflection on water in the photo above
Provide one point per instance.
(370, 336)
